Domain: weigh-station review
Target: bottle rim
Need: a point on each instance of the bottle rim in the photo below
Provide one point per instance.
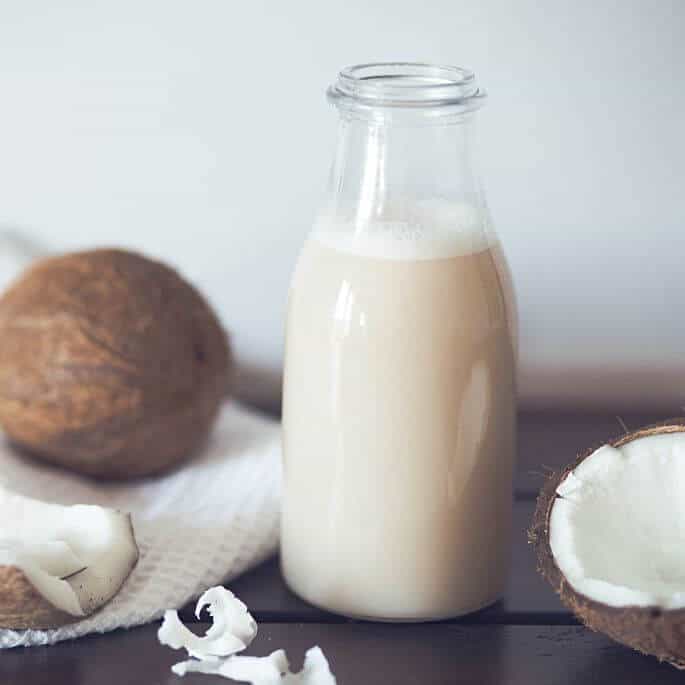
(406, 85)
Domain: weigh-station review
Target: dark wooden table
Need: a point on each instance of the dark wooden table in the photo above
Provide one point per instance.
(526, 639)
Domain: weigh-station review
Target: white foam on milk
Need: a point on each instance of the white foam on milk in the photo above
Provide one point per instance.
(426, 229)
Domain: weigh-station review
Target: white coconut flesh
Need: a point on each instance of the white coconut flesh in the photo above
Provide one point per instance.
(76, 557)
(617, 526)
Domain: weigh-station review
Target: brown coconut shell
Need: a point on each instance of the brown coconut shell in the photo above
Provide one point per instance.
(111, 364)
(22, 606)
(650, 630)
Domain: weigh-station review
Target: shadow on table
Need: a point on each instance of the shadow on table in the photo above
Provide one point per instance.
(40, 666)
(617, 664)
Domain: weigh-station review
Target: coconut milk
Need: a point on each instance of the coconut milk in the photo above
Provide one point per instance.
(398, 421)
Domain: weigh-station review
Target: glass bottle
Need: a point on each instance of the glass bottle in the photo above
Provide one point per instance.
(399, 390)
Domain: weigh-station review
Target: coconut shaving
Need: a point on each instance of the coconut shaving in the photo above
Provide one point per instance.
(231, 632)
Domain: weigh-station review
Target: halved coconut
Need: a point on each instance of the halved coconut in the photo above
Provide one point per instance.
(610, 538)
(59, 564)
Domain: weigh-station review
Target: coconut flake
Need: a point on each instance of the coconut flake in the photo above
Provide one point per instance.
(232, 630)
(264, 670)
(315, 671)
(273, 669)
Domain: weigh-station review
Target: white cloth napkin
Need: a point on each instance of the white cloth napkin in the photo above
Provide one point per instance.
(203, 524)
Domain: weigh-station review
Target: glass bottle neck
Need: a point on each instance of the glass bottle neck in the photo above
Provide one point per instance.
(382, 168)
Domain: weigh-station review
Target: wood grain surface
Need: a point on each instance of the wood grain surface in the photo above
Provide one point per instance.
(528, 638)
(361, 653)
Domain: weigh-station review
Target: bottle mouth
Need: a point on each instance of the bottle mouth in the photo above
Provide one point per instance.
(406, 85)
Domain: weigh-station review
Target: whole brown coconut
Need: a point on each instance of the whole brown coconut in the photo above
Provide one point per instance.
(650, 630)
(110, 364)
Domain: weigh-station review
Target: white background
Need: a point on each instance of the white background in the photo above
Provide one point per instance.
(198, 132)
